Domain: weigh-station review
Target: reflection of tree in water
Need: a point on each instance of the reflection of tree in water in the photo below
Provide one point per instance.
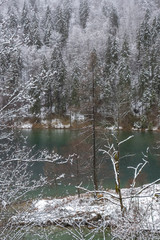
(78, 167)
(141, 180)
(55, 171)
(156, 148)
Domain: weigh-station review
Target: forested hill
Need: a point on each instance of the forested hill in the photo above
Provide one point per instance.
(59, 56)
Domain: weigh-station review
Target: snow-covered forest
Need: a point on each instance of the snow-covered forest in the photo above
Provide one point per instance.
(53, 51)
(93, 60)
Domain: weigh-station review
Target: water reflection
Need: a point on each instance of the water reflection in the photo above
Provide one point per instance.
(63, 234)
(78, 171)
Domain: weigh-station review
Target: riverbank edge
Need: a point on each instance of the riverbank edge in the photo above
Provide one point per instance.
(91, 212)
(60, 123)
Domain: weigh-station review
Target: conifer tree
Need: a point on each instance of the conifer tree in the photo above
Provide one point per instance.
(75, 87)
(35, 31)
(124, 68)
(147, 62)
(83, 13)
(35, 93)
(67, 8)
(110, 75)
(114, 21)
(124, 91)
(26, 25)
(12, 21)
(47, 26)
(144, 35)
(47, 100)
(61, 24)
(57, 80)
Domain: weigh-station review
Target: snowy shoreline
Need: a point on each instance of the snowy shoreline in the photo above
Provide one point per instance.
(142, 209)
(58, 124)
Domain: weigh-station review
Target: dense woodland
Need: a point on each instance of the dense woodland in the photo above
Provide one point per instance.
(101, 60)
(71, 55)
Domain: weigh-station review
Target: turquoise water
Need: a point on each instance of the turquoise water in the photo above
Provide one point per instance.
(64, 234)
(67, 142)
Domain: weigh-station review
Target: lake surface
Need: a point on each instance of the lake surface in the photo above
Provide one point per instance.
(67, 142)
(64, 234)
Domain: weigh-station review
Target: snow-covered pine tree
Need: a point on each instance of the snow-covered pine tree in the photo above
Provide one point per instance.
(75, 87)
(57, 80)
(124, 90)
(26, 25)
(35, 30)
(111, 77)
(83, 13)
(47, 26)
(61, 23)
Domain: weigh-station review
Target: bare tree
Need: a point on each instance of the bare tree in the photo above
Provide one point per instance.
(114, 153)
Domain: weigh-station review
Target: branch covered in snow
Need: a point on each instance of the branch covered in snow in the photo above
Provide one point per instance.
(139, 168)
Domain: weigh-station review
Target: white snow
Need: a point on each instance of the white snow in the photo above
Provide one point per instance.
(113, 128)
(72, 208)
(40, 205)
(56, 123)
(77, 116)
(45, 123)
(26, 125)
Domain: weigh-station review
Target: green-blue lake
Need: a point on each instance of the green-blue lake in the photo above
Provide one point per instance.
(67, 142)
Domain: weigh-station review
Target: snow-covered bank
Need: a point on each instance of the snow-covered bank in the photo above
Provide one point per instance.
(54, 123)
(74, 121)
(143, 209)
(59, 124)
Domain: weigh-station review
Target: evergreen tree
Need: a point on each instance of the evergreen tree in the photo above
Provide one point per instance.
(26, 25)
(111, 77)
(83, 13)
(155, 65)
(144, 35)
(124, 91)
(12, 21)
(114, 21)
(47, 21)
(47, 26)
(75, 87)
(124, 68)
(155, 29)
(111, 62)
(35, 93)
(11, 73)
(61, 24)
(58, 77)
(111, 13)
(147, 62)
(35, 31)
(33, 3)
(47, 100)
(67, 8)
(24, 16)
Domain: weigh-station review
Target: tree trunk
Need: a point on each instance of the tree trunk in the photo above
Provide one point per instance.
(94, 134)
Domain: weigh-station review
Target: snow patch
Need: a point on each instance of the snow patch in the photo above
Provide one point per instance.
(87, 208)
(56, 123)
(26, 125)
(40, 205)
(113, 128)
(77, 117)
